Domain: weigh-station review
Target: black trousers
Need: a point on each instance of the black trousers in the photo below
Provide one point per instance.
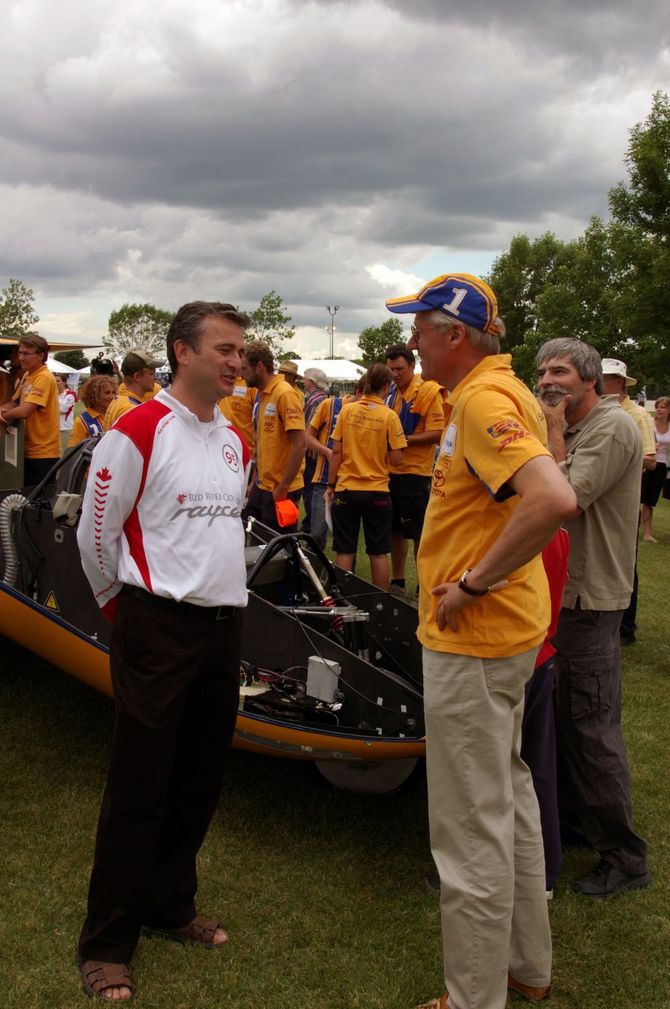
(590, 738)
(538, 750)
(175, 674)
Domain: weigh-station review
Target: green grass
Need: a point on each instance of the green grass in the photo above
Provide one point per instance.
(323, 891)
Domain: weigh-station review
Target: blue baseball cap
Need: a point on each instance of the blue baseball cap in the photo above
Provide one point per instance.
(461, 295)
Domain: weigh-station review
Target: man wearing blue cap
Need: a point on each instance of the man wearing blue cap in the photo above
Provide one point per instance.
(497, 497)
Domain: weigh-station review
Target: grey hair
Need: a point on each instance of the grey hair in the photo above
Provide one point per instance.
(317, 376)
(582, 356)
(486, 342)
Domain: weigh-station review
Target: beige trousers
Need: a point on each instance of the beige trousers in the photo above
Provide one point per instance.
(484, 828)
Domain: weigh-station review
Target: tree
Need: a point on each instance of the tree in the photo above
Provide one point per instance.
(135, 327)
(17, 315)
(74, 358)
(374, 341)
(610, 285)
(645, 203)
(519, 276)
(270, 322)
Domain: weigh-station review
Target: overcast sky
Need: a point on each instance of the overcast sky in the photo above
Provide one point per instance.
(338, 152)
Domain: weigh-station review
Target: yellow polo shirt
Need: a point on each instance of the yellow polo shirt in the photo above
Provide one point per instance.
(279, 410)
(119, 406)
(494, 426)
(42, 428)
(645, 423)
(367, 430)
(80, 429)
(421, 404)
(238, 408)
(123, 391)
(320, 426)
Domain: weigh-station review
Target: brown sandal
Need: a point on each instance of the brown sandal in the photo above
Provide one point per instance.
(200, 931)
(96, 976)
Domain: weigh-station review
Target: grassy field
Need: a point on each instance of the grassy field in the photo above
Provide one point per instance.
(323, 891)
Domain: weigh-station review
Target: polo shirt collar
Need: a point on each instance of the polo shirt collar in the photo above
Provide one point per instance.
(501, 363)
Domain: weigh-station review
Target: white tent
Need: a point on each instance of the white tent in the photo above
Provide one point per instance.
(336, 370)
(58, 368)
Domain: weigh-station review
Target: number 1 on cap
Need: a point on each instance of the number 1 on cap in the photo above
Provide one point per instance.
(452, 306)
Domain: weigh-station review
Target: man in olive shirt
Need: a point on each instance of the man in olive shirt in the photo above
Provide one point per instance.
(599, 448)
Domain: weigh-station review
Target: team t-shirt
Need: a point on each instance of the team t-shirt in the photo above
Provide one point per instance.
(42, 427)
(278, 410)
(420, 408)
(494, 426)
(120, 404)
(367, 429)
(238, 408)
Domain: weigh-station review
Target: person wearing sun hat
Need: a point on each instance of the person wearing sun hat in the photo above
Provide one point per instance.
(497, 497)
(617, 382)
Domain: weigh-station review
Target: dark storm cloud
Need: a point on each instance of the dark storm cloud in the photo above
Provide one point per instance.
(155, 152)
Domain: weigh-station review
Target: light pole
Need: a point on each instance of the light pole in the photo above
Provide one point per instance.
(332, 312)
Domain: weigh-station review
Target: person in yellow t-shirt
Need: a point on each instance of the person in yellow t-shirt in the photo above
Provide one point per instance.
(96, 394)
(280, 437)
(238, 408)
(419, 405)
(319, 439)
(123, 391)
(367, 440)
(36, 403)
(497, 498)
(139, 374)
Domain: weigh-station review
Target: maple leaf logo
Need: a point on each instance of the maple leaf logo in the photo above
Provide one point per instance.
(181, 498)
(104, 474)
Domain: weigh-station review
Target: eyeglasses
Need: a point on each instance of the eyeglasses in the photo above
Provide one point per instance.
(417, 333)
(28, 353)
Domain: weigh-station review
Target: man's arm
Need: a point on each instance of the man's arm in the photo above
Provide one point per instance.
(20, 412)
(334, 468)
(113, 483)
(293, 463)
(556, 425)
(314, 443)
(395, 456)
(546, 499)
(424, 438)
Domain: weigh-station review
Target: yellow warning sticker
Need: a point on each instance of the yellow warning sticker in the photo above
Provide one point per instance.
(51, 602)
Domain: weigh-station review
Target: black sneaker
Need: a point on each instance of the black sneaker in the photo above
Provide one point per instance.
(607, 881)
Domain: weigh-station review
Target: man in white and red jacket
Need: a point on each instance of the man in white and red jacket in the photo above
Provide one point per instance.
(162, 544)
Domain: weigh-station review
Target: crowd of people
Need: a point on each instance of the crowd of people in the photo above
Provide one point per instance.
(523, 509)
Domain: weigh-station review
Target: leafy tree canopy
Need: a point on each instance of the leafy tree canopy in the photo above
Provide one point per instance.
(137, 327)
(270, 322)
(610, 285)
(374, 340)
(17, 314)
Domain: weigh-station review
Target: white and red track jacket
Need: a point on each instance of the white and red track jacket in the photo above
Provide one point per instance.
(162, 508)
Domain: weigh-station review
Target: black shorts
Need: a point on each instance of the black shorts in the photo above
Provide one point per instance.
(409, 497)
(349, 507)
(652, 484)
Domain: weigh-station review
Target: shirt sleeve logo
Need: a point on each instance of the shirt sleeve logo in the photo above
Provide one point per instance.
(449, 443)
(511, 430)
(231, 458)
